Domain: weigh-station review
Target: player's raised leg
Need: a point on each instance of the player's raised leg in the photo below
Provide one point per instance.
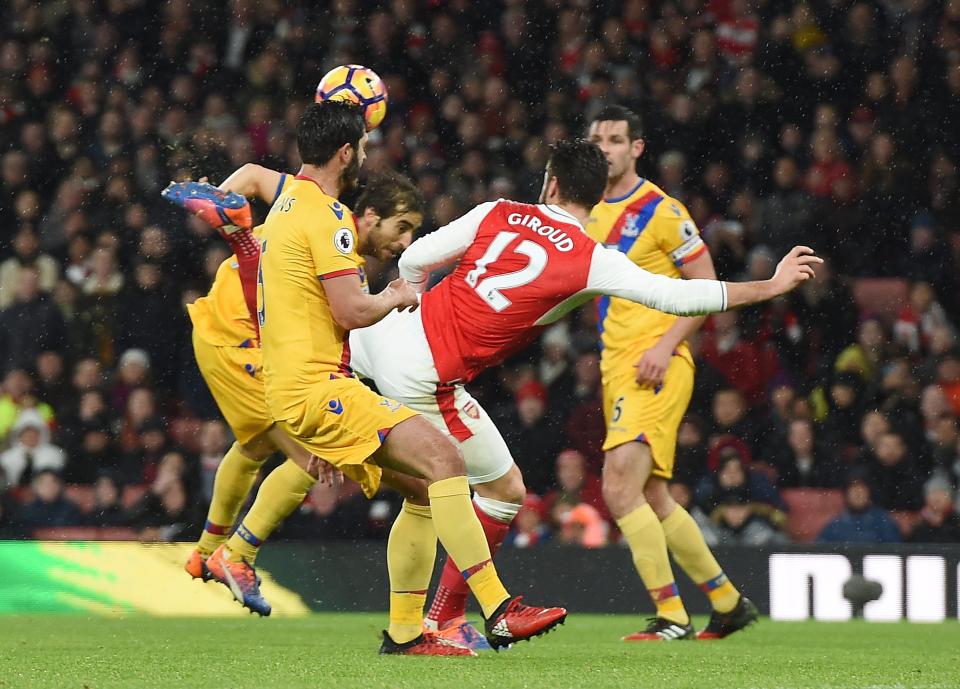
(416, 447)
(626, 469)
(731, 611)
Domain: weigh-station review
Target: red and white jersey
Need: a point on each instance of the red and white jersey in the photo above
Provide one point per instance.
(521, 267)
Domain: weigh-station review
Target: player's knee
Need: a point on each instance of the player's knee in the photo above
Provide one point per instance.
(658, 496)
(622, 480)
(508, 488)
(445, 461)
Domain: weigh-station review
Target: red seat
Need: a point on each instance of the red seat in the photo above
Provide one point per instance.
(82, 496)
(882, 297)
(811, 509)
(131, 494)
(66, 533)
(116, 533)
(21, 494)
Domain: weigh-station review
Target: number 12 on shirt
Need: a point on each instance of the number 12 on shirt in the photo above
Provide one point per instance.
(491, 289)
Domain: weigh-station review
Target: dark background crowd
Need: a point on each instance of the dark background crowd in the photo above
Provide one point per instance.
(830, 123)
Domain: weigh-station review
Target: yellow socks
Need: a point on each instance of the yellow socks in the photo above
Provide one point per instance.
(279, 495)
(235, 477)
(641, 529)
(462, 536)
(692, 554)
(411, 551)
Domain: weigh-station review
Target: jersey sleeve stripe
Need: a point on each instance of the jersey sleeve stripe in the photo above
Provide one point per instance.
(684, 260)
(339, 273)
(276, 195)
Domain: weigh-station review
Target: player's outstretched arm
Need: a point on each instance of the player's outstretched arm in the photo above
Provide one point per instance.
(794, 268)
(613, 274)
(353, 308)
(254, 181)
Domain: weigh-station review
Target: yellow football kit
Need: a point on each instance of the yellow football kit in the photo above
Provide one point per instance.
(311, 391)
(655, 232)
(227, 352)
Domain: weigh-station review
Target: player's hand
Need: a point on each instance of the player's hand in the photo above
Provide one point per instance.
(796, 267)
(652, 366)
(325, 471)
(403, 295)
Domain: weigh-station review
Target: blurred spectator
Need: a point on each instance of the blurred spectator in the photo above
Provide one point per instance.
(32, 451)
(584, 526)
(826, 311)
(26, 254)
(95, 452)
(897, 481)
(740, 521)
(165, 512)
(860, 521)
(51, 380)
(49, 507)
(141, 463)
(844, 401)
(17, 397)
(864, 356)
(939, 522)
(133, 371)
(785, 216)
(107, 508)
(733, 472)
(575, 485)
(919, 318)
(31, 324)
(744, 364)
(533, 436)
(804, 463)
(528, 529)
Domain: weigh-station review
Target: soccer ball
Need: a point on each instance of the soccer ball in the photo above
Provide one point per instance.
(356, 84)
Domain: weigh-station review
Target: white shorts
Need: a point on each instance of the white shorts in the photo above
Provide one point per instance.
(394, 354)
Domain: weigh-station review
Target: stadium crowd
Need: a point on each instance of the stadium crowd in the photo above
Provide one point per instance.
(832, 124)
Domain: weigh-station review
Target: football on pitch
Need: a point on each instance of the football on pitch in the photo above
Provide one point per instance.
(359, 85)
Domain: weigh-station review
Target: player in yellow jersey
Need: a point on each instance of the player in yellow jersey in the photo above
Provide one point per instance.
(310, 297)
(227, 348)
(647, 372)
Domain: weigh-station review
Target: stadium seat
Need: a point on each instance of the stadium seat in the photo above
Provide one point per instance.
(133, 493)
(882, 297)
(116, 533)
(66, 533)
(83, 496)
(906, 521)
(21, 494)
(811, 509)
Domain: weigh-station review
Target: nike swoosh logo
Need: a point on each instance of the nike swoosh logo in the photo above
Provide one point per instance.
(232, 583)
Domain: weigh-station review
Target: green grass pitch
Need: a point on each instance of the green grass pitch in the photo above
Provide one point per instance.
(327, 651)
